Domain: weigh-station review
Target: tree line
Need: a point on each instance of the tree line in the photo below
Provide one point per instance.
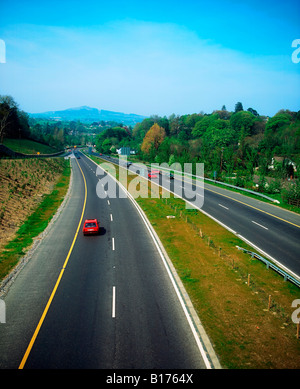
(15, 123)
(240, 146)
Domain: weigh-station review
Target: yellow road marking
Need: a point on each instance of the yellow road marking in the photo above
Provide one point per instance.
(251, 206)
(25, 357)
(231, 198)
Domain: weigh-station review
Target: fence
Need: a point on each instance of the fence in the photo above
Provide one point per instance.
(295, 202)
(269, 264)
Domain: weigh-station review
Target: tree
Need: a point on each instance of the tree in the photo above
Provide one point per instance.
(8, 115)
(4, 121)
(219, 134)
(277, 121)
(242, 123)
(153, 137)
(253, 111)
(115, 136)
(202, 125)
(24, 123)
(238, 107)
(175, 124)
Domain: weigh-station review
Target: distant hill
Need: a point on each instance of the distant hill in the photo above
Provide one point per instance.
(88, 114)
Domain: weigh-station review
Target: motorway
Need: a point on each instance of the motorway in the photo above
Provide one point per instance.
(101, 302)
(107, 301)
(269, 229)
(274, 232)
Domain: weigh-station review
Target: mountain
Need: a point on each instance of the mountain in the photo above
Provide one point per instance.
(88, 114)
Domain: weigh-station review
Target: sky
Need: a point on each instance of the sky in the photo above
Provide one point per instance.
(155, 57)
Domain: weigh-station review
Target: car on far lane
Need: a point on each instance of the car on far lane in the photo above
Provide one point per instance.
(155, 171)
(91, 227)
(151, 175)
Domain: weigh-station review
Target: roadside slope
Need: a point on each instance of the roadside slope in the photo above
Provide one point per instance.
(26, 185)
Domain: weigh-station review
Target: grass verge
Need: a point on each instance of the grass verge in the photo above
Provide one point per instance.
(27, 146)
(35, 223)
(278, 196)
(244, 307)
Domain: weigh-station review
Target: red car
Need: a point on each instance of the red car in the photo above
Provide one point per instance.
(155, 171)
(91, 226)
(152, 175)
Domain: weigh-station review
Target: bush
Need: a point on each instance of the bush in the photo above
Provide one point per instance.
(291, 191)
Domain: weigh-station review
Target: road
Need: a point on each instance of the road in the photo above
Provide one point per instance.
(96, 302)
(272, 230)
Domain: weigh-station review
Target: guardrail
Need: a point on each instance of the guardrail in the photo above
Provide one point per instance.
(271, 265)
(244, 190)
(222, 183)
(7, 152)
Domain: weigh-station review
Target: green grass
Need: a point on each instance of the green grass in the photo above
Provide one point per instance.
(27, 146)
(244, 333)
(278, 196)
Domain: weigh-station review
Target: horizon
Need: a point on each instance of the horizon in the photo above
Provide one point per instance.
(136, 114)
(82, 107)
(160, 59)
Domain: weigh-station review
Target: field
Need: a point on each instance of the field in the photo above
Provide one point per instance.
(27, 146)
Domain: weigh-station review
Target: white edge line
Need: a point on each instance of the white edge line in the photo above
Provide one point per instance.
(220, 223)
(269, 257)
(279, 264)
(171, 276)
(164, 256)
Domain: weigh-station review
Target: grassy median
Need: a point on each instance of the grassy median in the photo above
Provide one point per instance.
(245, 308)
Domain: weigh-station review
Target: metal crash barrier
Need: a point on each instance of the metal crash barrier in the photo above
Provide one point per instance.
(271, 265)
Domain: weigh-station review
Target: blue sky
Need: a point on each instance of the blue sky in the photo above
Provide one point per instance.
(153, 57)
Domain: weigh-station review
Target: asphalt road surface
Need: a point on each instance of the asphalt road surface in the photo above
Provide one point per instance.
(98, 301)
(273, 231)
